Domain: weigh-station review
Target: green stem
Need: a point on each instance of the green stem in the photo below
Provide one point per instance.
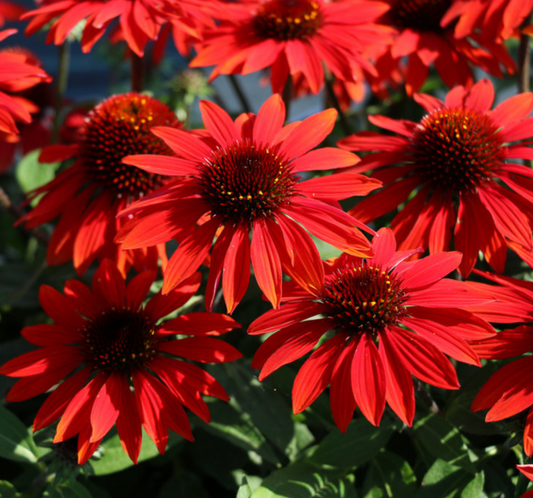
(17, 214)
(61, 88)
(426, 398)
(137, 72)
(286, 95)
(524, 53)
(346, 128)
(240, 94)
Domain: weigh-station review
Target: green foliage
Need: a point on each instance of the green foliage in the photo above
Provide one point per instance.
(16, 442)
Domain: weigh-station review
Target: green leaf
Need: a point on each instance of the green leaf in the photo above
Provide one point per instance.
(237, 428)
(31, 174)
(184, 484)
(305, 480)
(443, 440)
(474, 489)
(7, 490)
(115, 459)
(361, 442)
(389, 476)
(70, 490)
(260, 405)
(443, 480)
(244, 491)
(16, 442)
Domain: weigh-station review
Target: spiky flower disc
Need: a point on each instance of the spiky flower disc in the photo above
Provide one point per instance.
(88, 195)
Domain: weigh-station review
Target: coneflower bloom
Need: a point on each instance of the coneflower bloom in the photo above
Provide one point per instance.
(386, 319)
(19, 72)
(459, 160)
(241, 178)
(88, 195)
(508, 391)
(135, 21)
(294, 38)
(103, 343)
(425, 43)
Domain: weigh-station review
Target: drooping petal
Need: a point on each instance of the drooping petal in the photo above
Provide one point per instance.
(341, 395)
(400, 391)
(190, 255)
(315, 374)
(236, 270)
(421, 358)
(266, 262)
(288, 345)
(203, 349)
(368, 380)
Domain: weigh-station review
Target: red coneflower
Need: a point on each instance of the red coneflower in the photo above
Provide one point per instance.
(138, 21)
(103, 343)
(388, 319)
(457, 160)
(426, 43)
(294, 38)
(19, 72)
(88, 195)
(241, 178)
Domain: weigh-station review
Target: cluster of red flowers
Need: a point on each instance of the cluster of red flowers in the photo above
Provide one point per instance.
(238, 196)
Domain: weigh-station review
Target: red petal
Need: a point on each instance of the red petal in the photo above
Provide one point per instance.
(506, 344)
(287, 315)
(308, 134)
(443, 338)
(315, 374)
(506, 379)
(161, 305)
(105, 409)
(400, 391)
(218, 256)
(49, 335)
(163, 165)
(109, 283)
(59, 308)
(199, 324)
(338, 187)
(184, 144)
(269, 121)
(218, 123)
(341, 396)
(203, 349)
(57, 401)
(368, 380)
(236, 275)
(299, 256)
(324, 158)
(428, 270)
(129, 421)
(74, 419)
(190, 255)
(266, 262)
(138, 288)
(288, 345)
(421, 358)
